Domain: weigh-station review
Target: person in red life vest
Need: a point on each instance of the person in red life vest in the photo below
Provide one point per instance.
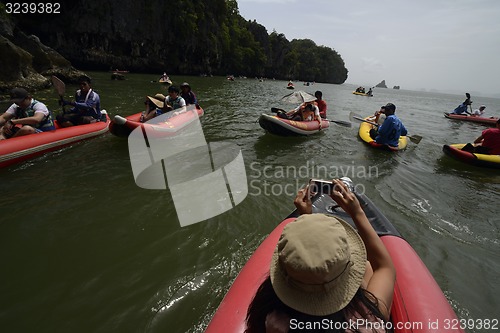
(321, 104)
(25, 111)
(487, 143)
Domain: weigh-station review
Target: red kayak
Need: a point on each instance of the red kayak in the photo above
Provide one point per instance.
(22, 148)
(481, 120)
(285, 127)
(418, 300)
(122, 127)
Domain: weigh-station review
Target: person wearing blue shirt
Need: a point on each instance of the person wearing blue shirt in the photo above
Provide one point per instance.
(462, 108)
(86, 107)
(389, 132)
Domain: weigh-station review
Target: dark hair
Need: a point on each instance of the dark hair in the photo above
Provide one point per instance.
(266, 301)
(173, 89)
(84, 78)
(318, 94)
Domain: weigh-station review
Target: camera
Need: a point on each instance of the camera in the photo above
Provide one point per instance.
(326, 187)
(320, 186)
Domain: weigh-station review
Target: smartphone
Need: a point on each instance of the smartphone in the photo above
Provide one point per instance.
(320, 186)
(326, 187)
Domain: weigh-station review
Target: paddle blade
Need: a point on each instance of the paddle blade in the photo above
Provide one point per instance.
(341, 123)
(415, 138)
(59, 85)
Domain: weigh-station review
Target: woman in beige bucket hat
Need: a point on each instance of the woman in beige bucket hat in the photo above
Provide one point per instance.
(324, 271)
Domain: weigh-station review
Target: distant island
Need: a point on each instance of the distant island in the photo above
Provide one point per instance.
(395, 87)
(381, 84)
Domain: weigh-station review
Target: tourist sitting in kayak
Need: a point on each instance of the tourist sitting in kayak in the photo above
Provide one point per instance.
(479, 112)
(188, 94)
(174, 102)
(389, 132)
(462, 108)
(321, 104)
(308, 111)
(86, 106)
(164, 77)
(25, 116)
(154, 107)
(323, 270)
(487, 143)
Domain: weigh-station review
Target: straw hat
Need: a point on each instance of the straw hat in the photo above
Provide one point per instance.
(158, 100)
(318, 264)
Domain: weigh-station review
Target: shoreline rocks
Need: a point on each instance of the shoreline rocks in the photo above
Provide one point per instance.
(28, 63)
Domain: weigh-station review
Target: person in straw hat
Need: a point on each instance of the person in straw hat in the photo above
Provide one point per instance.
(323, 271)
(154, 107)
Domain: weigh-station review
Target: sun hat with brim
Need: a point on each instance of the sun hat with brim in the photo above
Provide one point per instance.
(158, 100)
(17, 95)
(318, 264)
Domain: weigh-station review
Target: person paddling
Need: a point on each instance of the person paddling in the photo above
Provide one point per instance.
(389, 132)
(462, 108)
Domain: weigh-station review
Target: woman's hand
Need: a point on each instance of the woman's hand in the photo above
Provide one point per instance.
(303, 201)
(345, 198)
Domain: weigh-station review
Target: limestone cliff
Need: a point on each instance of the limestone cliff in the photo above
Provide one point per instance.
(28, 63)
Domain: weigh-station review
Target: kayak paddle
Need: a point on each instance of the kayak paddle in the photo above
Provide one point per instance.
(59, 85)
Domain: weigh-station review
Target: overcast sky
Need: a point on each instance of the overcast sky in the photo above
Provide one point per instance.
(446, 45)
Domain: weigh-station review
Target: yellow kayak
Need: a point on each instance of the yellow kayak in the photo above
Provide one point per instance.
(484, 160)
(361, 94)
(364, 134)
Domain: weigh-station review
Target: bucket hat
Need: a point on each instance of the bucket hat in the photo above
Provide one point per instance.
(318, 264)
(158, 100)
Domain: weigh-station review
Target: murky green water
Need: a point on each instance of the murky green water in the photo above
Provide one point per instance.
(83, 249)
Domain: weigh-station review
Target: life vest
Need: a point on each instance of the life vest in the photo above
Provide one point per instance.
(95, 111)
(47, 124)
(175, 103)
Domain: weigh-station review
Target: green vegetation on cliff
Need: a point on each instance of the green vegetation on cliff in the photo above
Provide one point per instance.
(186, 36)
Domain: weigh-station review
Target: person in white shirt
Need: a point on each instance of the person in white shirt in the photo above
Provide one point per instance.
(479, 112)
